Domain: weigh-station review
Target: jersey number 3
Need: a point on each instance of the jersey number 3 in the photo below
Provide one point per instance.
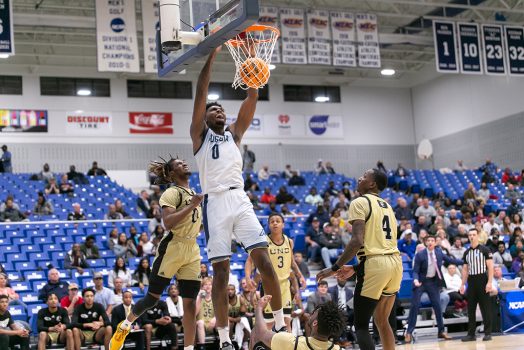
(215, 154)
(386, 227)
(280, 261)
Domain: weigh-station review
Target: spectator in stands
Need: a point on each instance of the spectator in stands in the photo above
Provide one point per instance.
(284, 197)
(124, 248)
(460, 166)
(402, 210)
(500, 218)
(14, 298)
(103, 295)
(250, 184)
(331, 190)
(342, 295)
(120, 209)
(484, 192)
(90, 322)
(175, 306)
(206, 314)
(313, 198)
(3, 204)
(302, 265)
(513, 211)
(113, 238)
(489, 166)
(254, 200)
(52, 187)
(267, 197)
(502, 256)
(312, 239)
(204, 271)
(506, 226)
(143, 202)
(512, 193)
(321, 296)
(76, 177)
(508, 178)
(426, 210)
(54, 285)
(156, 216)
(296, 179)
(320, 168)
(11, 333)
(157, 193)
(46, 174)
(89, 248)
(401, 171)
(346, 189)
(493, 242)
(42, 206)
(284, 210)
(443, 243)
(158, 322)
(453, 282)
(120, 270)
(145, 246)
(517, 232)
(53, 325)
(468, 222)
(340, 199)
(65, 186)
(381, 167)
(457, 250)
(142, 273)
(249, 159)
(112, 214)
(288, 172)
(470, 193)
(5, 160)
(331, 244)
(120, 313)
(118, 291)
(407, 245)
(427, 277)
(329, 168)
(10, 213)
(236, 311)
(77, 213)
(516, 266)
(488, 226)
(73, 299)
(421, 224)
(487, 177)
(263, 173)
(96, 171)
(517, 247)
(75, 260)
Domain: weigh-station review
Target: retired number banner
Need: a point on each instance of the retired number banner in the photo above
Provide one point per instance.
(445, 52)
(293, 36)
(150, 14)
(344, 45)
(367, 38)
(269, 17)
(319, 37)
(117, 46)
(469, 48)
(515, 49)
(7, 44)
(493, 49)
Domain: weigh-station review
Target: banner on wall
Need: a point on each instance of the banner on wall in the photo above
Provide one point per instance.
(89, 123)
(319, 37)
(344, 45)
(7, 43)
(287, 125)
(293, 33)
(23, 120)
(256, 128)
(150, 23)
(493, 49)
(445, 52)
(269, 17)
(515, 49)
(469, 48)
(326, 126)
(117, 47)
(150, 123)
(367, 38)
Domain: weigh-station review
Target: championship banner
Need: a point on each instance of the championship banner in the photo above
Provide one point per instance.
(287, 125)
(7, 43)
(344, 45)
(150, 123)
(117, 47)
(150, 21)
(445, 52)
(469, 48)
(493, 50)
(319, 37)
(23, 120)
(367, 38)
(515, 49)
(293, 36)
(89, 123)
(269, 17)
(325, 126)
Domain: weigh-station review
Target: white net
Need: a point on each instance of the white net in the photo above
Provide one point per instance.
(251, 50)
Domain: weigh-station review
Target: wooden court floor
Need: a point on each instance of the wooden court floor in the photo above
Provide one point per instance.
(501, 342)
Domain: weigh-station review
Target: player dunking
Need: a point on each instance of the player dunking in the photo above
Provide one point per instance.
(379, 271)
(227, 211)
(178, 253)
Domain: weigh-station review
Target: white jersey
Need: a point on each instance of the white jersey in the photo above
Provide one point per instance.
(219, 163)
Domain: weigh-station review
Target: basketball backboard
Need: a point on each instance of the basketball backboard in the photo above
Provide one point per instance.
(216, 21)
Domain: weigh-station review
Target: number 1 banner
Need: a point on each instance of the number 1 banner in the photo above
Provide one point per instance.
(515, 50)
(493, 50)
(445, 52)
(469, 48)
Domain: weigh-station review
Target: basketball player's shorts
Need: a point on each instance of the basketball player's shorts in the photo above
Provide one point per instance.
(286, 302)
(178, 257)
(379, 275)
(229, 215)
(89, 336)
(54, 337)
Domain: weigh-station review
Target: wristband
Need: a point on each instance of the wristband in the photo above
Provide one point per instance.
(335, 267)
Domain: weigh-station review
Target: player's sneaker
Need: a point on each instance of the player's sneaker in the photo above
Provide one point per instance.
(225, 346)
(117, 342)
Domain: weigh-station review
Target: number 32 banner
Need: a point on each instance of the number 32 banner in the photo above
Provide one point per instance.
(515, 47)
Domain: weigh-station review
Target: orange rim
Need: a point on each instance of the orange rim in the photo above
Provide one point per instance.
(255, 28)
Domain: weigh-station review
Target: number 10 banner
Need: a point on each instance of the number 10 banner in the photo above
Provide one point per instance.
(445, 52)
(469, 48)
(515, 50)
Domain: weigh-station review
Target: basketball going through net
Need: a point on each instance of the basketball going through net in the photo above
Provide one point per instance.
(252, 50)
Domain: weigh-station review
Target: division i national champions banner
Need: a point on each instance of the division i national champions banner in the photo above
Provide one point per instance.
(7, 45)
(150, 21)
(117, 47)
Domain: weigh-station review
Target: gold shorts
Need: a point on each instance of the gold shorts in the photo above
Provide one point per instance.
(89, 336)
(379, 275)
(285, 291)
(181, 258)
(54, 337)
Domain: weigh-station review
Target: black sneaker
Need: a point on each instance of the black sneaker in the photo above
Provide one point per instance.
(227, 346)
(281, 330)
(487, 337)
(469, 338)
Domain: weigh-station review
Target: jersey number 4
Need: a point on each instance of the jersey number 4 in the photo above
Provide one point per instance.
(215, 154)
(386, 227)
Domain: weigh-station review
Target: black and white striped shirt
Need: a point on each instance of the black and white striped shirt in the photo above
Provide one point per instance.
(476, 258)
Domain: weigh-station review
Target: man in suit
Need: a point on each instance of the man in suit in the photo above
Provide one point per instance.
(120, 313)
(342, 294)
(143, 202)
(427, 277)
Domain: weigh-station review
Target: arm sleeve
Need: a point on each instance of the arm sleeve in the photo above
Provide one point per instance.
(283, 341)
(40, 321)
(171, 198)
(359, 209)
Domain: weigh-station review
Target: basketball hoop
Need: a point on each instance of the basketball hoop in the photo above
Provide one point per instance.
(251, 50)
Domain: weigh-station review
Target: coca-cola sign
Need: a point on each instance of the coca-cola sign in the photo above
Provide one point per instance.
(150, 123)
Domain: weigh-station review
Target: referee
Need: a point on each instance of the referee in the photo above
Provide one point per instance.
(478, 272)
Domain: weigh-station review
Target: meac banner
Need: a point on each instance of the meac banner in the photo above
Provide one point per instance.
(293, 31)
(319, 37)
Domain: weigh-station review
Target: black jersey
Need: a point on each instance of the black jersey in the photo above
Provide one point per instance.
(47, 319)
(83, 315)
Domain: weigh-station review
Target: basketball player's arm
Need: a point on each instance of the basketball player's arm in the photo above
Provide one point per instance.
(465, 273)
(171, 217)
(296, 269)
(260, 332)
(245, 115)
(198, 123)
(248, 269)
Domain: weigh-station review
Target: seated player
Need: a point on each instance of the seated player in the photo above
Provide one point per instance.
(326, 322)
(250, 299)
(206, 324)
(238, 323)
(158, 323)
(52, 324)
(175, 306)
(120, 313)
(11, 334)
(90, 322)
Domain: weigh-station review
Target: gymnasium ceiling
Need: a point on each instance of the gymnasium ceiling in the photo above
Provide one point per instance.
(61, 33)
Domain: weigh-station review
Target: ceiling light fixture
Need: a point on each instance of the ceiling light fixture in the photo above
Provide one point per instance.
(321, 99)
(387, 72)
(83, 92)
(4, 55)
(213, 97)
(272, 66)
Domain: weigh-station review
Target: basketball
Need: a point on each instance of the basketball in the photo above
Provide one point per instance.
(254, 72)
